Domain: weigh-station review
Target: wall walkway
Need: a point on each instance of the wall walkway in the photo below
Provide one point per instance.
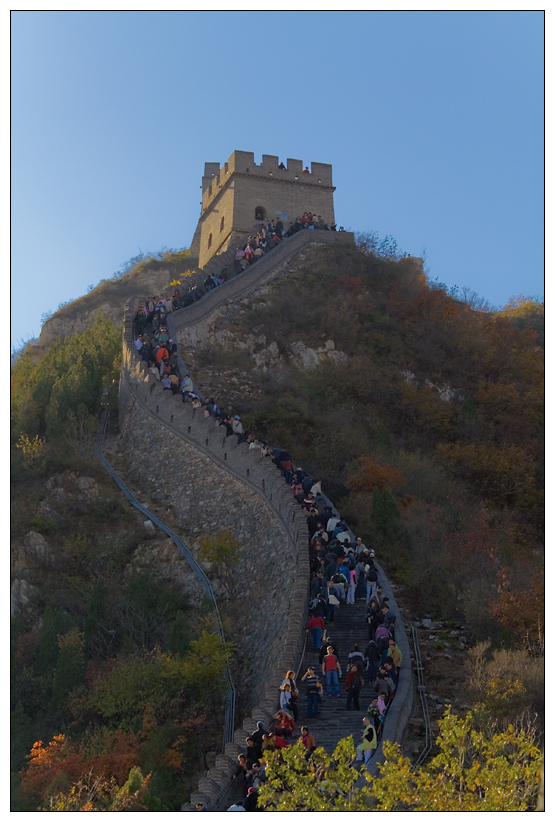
(216, 483)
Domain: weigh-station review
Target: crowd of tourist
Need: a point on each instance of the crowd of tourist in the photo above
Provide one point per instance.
(342, 573)
(271, 233)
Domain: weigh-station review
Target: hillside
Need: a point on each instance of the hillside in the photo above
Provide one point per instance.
(396, 394)
(108, 621)
(149, 276)
(421, 416)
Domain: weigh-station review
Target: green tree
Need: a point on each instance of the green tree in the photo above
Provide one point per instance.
(385, 516)
(322, 783)
(70, 668)
(223, 552)
(67, 384)
(179, 640)
(472, 772)
(52, 625)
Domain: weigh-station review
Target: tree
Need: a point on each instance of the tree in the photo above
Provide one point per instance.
(45, 763)
(70, 668)
(179, 640)
(321, 783)
(48, 641)
(385, 515)
(472, 772)
(69, 378)
(223, 552)
(522, 610)
(505, 474)
(372, 475)
(99, 793)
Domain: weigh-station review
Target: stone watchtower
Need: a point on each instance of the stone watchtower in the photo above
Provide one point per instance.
(241, 194)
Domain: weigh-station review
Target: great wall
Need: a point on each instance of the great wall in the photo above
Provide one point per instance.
(215, 483)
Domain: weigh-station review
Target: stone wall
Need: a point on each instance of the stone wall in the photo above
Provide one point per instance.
(214, 483)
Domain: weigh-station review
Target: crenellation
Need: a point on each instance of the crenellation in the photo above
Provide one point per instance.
(294, 166)
(269, 162)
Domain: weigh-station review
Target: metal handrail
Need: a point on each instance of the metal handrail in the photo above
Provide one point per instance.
(229, 721)
(422, 691)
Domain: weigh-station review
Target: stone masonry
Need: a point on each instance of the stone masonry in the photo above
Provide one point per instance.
(214, 483)
(243, 193)
(218, 484)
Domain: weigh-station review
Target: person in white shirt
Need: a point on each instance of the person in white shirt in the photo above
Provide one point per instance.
(360, 546)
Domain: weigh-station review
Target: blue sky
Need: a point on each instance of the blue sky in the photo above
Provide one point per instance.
(433, 122)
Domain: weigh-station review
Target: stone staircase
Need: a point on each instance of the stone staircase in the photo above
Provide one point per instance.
(334, 722)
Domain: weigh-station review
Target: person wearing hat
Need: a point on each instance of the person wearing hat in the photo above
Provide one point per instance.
(359, 545)
(251, 800)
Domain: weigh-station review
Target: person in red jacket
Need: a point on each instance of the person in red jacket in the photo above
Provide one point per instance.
(331, 669)
(316, 626)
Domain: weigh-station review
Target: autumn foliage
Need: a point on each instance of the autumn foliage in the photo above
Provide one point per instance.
(373, 474)
(521, 610)
(434, 421)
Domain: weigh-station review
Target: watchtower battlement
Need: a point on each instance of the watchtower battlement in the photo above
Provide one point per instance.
(241, 193)
(242, 162)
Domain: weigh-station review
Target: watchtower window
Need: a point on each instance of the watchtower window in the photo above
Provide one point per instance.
(222, 224)
(209, 241)
(259, 213)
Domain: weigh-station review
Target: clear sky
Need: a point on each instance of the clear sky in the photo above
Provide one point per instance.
(433, 122)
